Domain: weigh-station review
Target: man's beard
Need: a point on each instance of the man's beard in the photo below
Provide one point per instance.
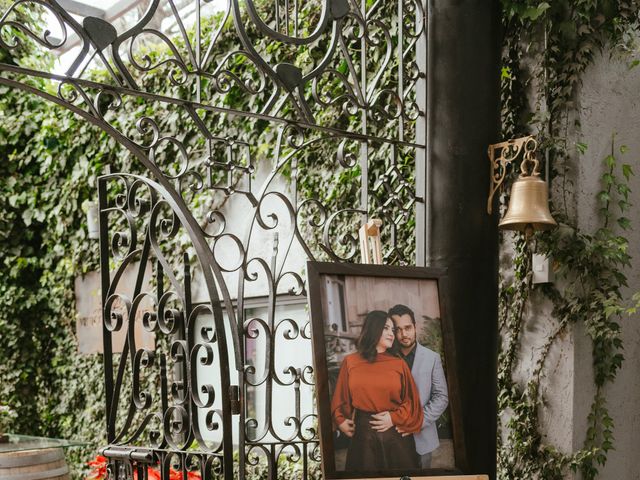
(410, 345)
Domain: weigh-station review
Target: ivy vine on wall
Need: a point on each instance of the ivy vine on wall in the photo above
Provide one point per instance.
(547, 47)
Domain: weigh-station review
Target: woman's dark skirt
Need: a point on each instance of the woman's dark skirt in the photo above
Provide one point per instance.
(372, 451)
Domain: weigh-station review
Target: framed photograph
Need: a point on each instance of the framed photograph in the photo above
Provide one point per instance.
(384, 359)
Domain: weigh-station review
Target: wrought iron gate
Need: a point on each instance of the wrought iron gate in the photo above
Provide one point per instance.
(231, 216)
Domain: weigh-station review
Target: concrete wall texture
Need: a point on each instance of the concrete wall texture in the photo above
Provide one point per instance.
(608, 104)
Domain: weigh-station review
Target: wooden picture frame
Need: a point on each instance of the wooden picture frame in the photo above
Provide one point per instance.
(385, 279)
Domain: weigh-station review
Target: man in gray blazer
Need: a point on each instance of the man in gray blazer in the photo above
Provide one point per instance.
(426, 368)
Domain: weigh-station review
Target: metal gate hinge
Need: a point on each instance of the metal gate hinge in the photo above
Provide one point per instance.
(234, 395)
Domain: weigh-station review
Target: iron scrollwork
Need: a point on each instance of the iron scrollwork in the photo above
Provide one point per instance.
(197, 262)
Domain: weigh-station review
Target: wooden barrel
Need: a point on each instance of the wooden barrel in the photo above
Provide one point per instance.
(48, 464)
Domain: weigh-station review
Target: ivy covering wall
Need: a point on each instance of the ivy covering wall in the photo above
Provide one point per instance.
(48, 164)
(50, 161)
(547, 48)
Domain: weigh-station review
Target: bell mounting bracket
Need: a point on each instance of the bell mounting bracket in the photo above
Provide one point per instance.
(502, 154)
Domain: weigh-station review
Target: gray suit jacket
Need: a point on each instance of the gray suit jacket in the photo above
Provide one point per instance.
(429, 377)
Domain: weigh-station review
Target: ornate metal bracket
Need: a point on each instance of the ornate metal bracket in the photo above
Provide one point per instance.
(507, 152)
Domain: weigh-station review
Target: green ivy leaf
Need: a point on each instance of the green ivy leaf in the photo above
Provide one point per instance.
(533, 13)
(610, 161)
(624, 223)
(604, 196)
(581, 147)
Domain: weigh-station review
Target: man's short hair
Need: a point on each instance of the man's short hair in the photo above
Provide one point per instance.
(402, 310)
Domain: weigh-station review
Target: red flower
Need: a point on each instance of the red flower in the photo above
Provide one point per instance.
(175, 475)
(152, 474)
(99, 472)
(98, 468)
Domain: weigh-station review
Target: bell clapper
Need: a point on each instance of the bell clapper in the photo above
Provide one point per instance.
(528, 231)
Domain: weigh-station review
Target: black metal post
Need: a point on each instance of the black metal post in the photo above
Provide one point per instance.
(464, 119)
(105, 280)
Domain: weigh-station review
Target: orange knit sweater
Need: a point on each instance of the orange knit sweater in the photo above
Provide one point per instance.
(386, 384)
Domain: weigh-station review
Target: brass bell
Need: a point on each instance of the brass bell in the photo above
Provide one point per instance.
(528, 206)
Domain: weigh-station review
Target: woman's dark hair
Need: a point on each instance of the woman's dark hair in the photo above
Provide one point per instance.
(370, 335)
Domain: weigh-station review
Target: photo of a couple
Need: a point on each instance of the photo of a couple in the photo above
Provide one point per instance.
(387, 384)
(389, 394)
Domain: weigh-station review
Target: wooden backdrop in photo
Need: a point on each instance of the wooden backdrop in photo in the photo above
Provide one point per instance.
(363, 294)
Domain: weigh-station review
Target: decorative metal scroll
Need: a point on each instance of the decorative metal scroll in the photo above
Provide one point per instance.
(501, 155)
(224, 214)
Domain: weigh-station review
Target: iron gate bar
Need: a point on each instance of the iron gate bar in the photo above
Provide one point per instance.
(211, 281)
(209, 108)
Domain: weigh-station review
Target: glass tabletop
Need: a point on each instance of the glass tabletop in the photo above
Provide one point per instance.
(16, 443)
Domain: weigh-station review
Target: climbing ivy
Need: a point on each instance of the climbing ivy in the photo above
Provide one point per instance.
(50, 161)
(547, 47)
(590, 279)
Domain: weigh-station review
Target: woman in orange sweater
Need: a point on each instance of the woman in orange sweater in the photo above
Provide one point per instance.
(375, 393)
